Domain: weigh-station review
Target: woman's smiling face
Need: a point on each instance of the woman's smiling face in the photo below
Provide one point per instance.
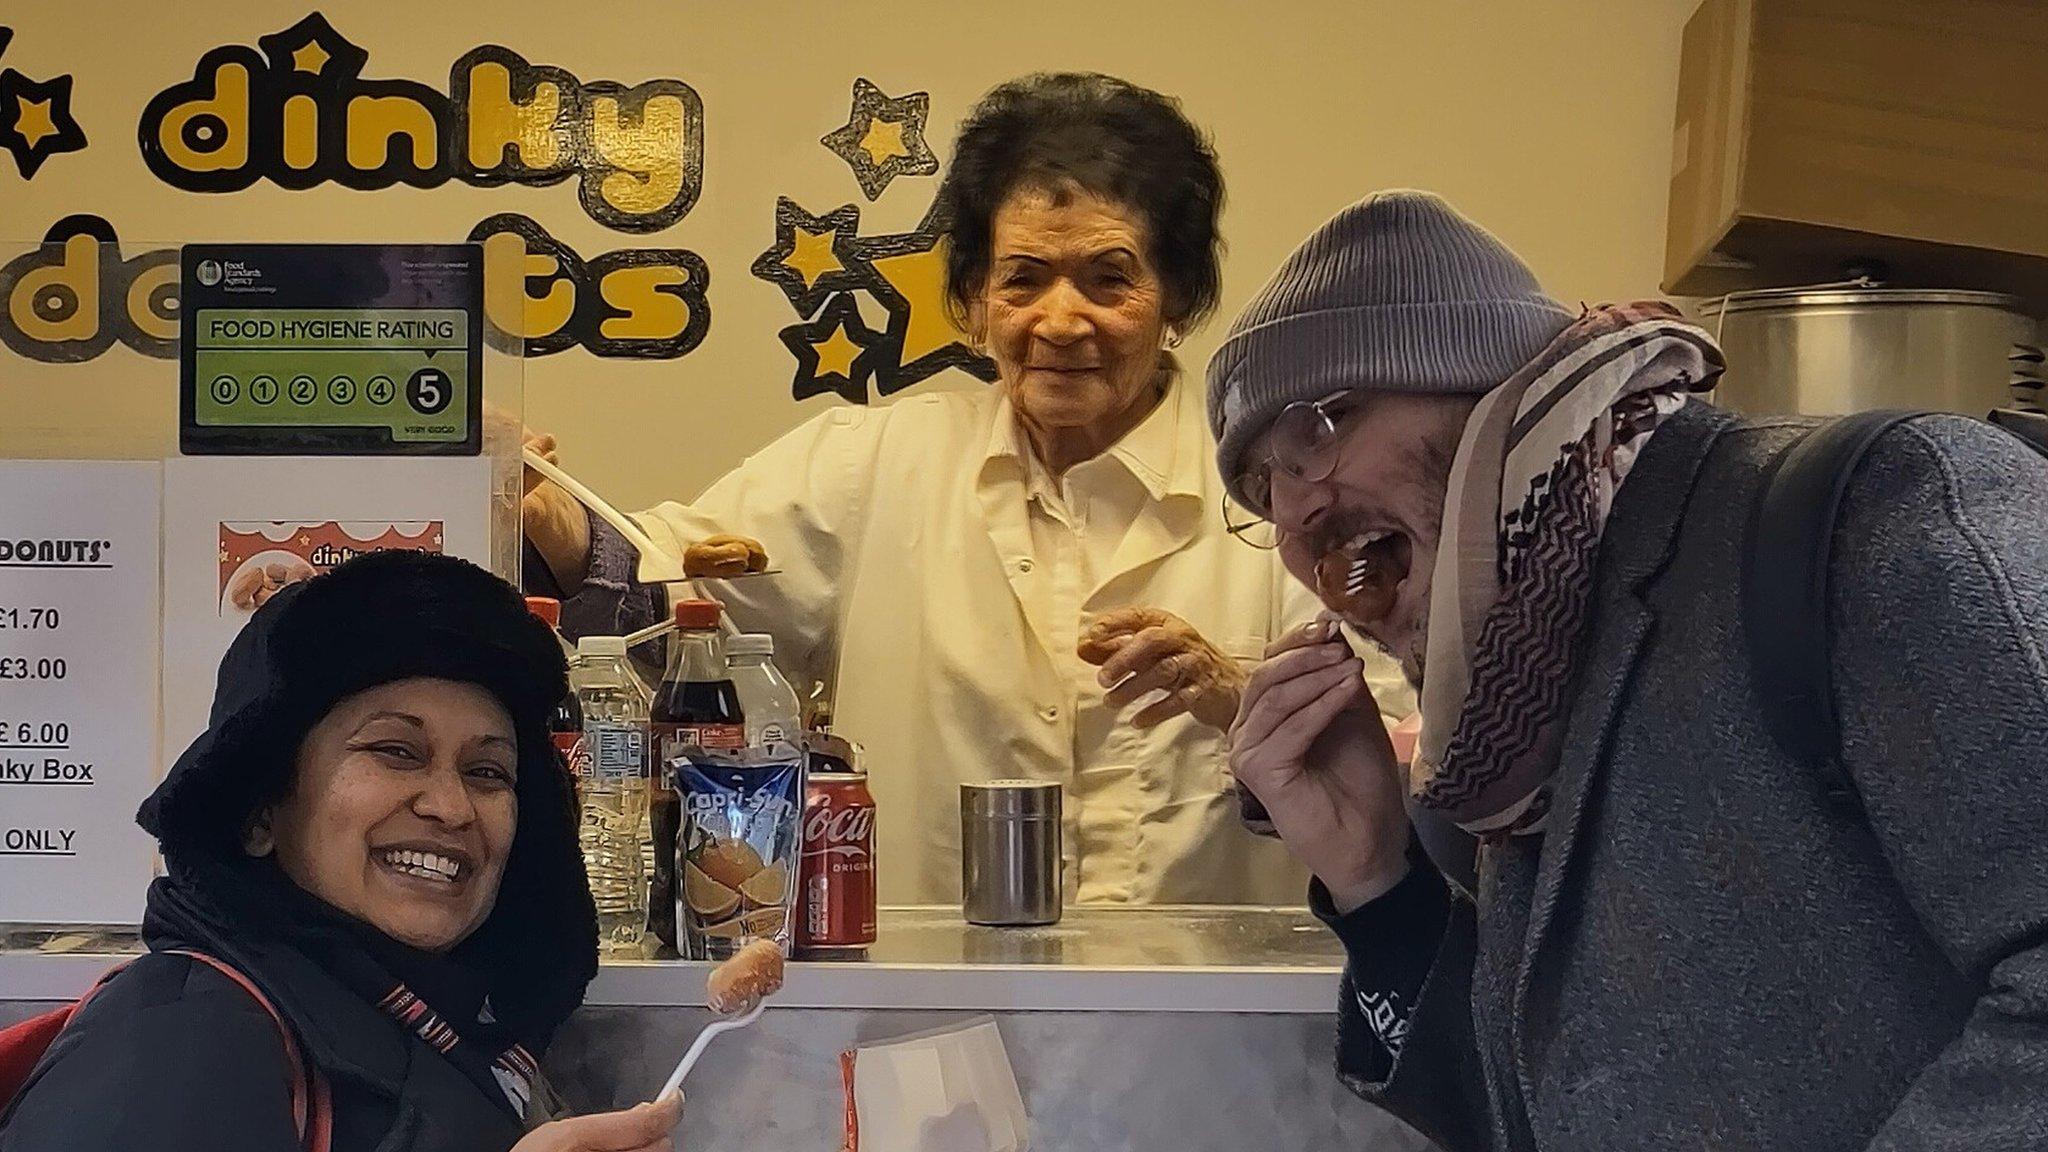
(402, 810)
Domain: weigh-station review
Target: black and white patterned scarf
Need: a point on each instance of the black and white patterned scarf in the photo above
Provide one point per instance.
(1530, 491)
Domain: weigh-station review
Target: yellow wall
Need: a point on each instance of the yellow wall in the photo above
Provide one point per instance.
(1549, 120)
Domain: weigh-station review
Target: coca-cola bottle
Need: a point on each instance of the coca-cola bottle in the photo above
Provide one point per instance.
(696, 704)
(565, 724)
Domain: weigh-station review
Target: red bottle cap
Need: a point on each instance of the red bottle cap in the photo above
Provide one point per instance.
(547, 608)
(698, 614)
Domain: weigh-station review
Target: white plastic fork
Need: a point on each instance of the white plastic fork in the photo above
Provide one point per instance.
(703, 1041)
(1355, 576)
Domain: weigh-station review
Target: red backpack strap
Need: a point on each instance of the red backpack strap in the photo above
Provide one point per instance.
(312, 1105)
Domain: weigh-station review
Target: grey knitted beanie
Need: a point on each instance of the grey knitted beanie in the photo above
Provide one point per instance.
(1397, 293)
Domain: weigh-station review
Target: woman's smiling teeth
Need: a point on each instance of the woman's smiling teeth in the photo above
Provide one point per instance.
(425, 865)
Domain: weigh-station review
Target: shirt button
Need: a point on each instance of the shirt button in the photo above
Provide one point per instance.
(1025, 565)
(1049, 714)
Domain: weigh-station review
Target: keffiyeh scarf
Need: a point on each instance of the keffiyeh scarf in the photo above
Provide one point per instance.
(1530, 491)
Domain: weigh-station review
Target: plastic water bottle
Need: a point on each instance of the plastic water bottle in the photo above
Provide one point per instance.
(774, 718)
(617, 774)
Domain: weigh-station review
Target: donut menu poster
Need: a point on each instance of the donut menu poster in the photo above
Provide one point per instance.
(237, 531)
(78, 687)
(331, 349)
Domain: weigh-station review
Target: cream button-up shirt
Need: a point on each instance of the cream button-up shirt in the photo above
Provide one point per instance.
(937, 576)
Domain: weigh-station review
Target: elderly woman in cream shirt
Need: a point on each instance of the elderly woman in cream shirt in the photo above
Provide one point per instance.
(1033, 580)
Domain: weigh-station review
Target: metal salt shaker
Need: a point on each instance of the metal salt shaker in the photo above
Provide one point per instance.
(1010, 852)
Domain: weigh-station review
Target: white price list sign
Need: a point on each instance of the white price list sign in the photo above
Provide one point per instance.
(79, 544)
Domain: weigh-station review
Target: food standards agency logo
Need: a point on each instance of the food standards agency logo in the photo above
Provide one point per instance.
(208, 272)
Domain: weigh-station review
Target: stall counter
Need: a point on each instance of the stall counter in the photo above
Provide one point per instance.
(1183, 1028)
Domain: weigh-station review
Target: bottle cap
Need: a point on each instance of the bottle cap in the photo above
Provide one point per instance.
(750, 644)
(547, 608)
(698, 614)
(601, 646)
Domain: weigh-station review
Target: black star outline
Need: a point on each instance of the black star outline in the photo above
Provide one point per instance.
(344, 59)
(897, 376)
(69, 137)
(869, 105)
(844, 224)
(840, 313)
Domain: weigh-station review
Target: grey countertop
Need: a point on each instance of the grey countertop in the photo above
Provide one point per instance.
(1183, 958)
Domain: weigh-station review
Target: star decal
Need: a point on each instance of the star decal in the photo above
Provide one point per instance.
(812, 256)
(884, 141)
(36, 121)
(6, 38)
(310, 58)
(883, 138)
(835, 352)
(313, 50)
(907, 274)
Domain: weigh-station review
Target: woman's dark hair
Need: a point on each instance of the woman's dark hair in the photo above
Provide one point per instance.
(1109, 137)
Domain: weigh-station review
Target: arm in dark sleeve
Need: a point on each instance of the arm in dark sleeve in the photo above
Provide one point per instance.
(172, 1058)
(1404, 1012)
(1940, 619)
(610, 601)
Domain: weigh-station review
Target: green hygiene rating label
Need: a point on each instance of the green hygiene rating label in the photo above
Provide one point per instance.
(330, 349)
(402, 370)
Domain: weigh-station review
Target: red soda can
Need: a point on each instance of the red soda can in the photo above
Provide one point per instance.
(836, 904)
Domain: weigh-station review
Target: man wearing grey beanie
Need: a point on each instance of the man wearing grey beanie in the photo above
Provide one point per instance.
(1676, 933)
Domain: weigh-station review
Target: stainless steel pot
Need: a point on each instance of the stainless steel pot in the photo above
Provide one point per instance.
(1827, 351)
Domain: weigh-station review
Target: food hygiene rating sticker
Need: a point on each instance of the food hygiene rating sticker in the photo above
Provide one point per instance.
(332, 349)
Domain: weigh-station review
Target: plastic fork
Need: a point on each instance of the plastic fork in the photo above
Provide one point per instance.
(703, 1041)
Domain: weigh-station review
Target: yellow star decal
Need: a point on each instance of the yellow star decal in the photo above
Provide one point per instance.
(884, 139)
(310, 58)
(920, 279)
(34, 121)
(811, 255)
(836, 355)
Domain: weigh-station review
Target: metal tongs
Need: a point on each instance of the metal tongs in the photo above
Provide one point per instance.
(657, 564)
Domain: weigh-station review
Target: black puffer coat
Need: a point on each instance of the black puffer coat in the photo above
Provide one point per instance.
(171, 1055)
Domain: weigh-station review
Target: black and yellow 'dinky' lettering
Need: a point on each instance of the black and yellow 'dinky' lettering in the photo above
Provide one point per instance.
(299, 113)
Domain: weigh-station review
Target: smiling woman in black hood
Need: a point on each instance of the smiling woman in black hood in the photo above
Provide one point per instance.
(376, 832)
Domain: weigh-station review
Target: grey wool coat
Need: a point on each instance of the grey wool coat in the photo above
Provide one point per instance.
(1707, 950)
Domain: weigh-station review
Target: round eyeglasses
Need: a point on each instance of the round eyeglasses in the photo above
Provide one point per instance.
(1304, 442)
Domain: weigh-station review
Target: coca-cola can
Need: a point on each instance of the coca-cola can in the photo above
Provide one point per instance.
(836, 904)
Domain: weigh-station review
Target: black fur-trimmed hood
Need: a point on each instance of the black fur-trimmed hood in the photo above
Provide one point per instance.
(384, 617)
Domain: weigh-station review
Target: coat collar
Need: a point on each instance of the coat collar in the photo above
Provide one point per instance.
(1640, 539)
(340, 1032)
(1168, 453)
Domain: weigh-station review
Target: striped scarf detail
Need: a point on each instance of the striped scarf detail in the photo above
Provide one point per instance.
(515, 1068)
(1530, 491)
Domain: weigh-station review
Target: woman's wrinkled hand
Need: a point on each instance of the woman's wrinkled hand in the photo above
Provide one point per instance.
(1145, 650)
(554, 521)
(644, 1128)
(724, 555)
